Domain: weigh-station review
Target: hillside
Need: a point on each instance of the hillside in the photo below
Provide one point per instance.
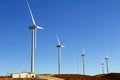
(111, 76)
(79, 77)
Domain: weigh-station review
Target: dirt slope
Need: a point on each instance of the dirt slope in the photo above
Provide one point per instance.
(79, 77)
(49, 77)
(111, 76)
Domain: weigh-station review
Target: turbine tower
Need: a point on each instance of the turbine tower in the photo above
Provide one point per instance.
(83, 55)
(34, 28)
(59, 46)
(102, 65)
(106, 59)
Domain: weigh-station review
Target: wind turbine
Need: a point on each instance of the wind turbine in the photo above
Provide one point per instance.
(102, 65)
(59, 46)
(34, 28)
(83, 55)
(106, 59)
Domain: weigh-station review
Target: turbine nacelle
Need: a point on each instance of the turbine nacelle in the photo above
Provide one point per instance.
(35, 27)
(102, 64)
(60, 46)
(106, 58)
(82, 54)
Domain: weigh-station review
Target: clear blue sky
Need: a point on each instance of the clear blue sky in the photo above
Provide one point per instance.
(90, 24)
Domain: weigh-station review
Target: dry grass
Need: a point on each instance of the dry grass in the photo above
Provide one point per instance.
(111, 76)
(78, 77)
(48, 77)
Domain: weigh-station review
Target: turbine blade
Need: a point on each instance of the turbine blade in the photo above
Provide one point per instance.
(38, 27)
(102, 60)
(33, 20)
(107, 56)
(63, 46)
(83, 51)
(58, 39)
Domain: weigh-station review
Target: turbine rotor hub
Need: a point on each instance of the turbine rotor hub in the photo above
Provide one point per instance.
(83, 55)
(58, 46)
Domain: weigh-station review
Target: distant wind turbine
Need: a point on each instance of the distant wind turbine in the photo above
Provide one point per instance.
(83, 55)
(106, 59)
(102, 65)
(59, 46)
(34, 29)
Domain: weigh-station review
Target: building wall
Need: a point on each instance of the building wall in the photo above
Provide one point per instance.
(23, 75)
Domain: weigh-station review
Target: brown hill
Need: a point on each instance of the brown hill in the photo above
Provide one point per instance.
(111, 76)
(79, 77)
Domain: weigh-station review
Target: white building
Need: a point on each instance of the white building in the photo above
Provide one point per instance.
(23, 75)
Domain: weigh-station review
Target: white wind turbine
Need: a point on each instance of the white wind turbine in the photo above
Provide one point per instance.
(83, 59)
(59, 46)
(34, 29)
(107, 67)
(102, 66)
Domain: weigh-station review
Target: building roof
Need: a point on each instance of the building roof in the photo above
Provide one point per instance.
(23, 72)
